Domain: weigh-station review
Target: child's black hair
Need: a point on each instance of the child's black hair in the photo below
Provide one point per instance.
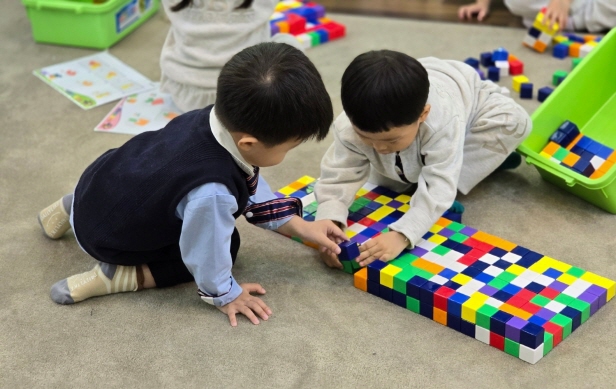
(273, 92)
(383, 90)
(185, 3)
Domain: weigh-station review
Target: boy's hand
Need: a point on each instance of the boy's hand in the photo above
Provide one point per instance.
(557, 12)
(385, 247)
(329, 258)
(322, 232)
(481, 8)
(247, 305)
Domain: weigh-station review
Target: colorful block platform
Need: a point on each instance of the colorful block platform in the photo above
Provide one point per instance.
(306, 21)
(505, 295)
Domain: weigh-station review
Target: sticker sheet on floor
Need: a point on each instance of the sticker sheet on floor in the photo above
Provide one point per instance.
(502, 294)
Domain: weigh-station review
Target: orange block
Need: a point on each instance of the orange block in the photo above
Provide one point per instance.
(439, 316)
(443, 222)
(512, 58)
(574, 49)
(574, 142)
(283, 26)
(606, 166)
(540, 46)
(588, 38)
(360, 279)
(510, 309)
(296, 185)
(487, 238)
(612, 157)
(551, 148)
(596, 174)
(505, 244)
(430, 267)
(571, 159)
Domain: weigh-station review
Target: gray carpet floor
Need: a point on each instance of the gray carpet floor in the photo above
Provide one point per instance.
(324, 333)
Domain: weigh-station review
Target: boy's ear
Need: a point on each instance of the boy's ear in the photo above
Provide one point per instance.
(424, 114)
(246, 142)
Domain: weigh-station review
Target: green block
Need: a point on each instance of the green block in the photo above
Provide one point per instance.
(309, 189)
(386, 229)
(542, 301)
(558, 75)
(565, 322)
(563, 299)
(548, 343)
(316, 39)
(507, 277)
(575, 62)
(512, 348)
(355, 265)
(483, 316)
(412, 304)
(576, 272)
(347, 267)
(441, 250)
(401, 278)
(458, 237)
(408, 258)
(311, 208)
(362, 201)
(566, 43)
(455, 226)
(561, 153)
(423, 273)
(498, 283)
(295, 238)
(581, 306)
(354, 207)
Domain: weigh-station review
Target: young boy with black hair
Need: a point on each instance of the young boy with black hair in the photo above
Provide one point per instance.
(160, 210)
(428, 128)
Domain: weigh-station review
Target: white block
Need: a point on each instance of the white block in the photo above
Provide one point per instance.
(493, 271)
(545, 38)
(357, 228)
(482, 335)
(369, 186)
(529, 40)
(457, 267)
(489, 259)
(426, 245)
(277, 15)
(305, 41)
(453, 256)
(555, 306)
(529, 274)
(543, 280)
(309, 199)
(466, 290)
(511, 257)
(431, 256)
(476, 285)
(491, 301)
(596, 162)
(439, 280)
(503, 66)
(581, 284)
(585, 50)
(529, 355)
(573, 291)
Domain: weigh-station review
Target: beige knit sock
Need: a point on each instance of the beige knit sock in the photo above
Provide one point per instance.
(102, 280)
(54, 220)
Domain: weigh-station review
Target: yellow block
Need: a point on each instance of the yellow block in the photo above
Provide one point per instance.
(438, 239)
(470, 307)
(539, 25)
(361, 192)
(560, 39)
(516, 269)
(287, 190)
(540, 266)
(350, 233)
(560, 266)
(545, 155)
(306, 180)
(435, 229)
(387, 275)
(383, 199)
(381, 213)
(403, 198)
(404, 208)
(461, 279)
(517, 82)
(567, 278)
(602, 282)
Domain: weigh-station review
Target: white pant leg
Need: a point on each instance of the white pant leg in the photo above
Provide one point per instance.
(527, 9)
(496, 129)
(187, 97)
(593, 15)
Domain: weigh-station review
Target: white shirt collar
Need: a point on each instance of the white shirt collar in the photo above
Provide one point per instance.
(225, 139)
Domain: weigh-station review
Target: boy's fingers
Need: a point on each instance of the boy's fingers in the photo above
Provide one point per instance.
(253, 288)
(255, 307)
(232, 318)
(246, 311)
(264, 306)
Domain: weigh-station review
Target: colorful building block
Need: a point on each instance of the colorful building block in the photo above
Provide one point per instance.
(543, 93)
(503, 67)
(494, 73)
(560, 51)
(486, 59)
(575, 62)
(500, 54)
(517, 81)
(473, 62)
(526, 91)
(485, 287)
(558, 77)
(516, 67)
(540, 35)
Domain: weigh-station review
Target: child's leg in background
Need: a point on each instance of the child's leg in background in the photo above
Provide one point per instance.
(593, 15)
(496, 129)
(187, 97)
(527, 9)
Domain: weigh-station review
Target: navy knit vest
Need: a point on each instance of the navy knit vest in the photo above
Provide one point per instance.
(126, 200)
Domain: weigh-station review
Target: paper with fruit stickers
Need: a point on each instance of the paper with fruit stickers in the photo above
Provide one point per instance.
(94, 80)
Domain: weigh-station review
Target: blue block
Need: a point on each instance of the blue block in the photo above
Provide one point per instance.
(462, 248)
(575, 38)
(575, 315)
(605, 152)
(498, 252)
(553, 273)
(584, 142)
(374, 288)
(467, 328)
(471, 272)
(274, 29)
(535, 287)
(386, 293)
(450, 244)
(426, 292)
(526, 91)
(452, 285)
(498, 322)
(453, 216)
(586, 155)
(502, 264)
(535, 33)
(570, 129)
(453, 322)
(560, 51)
(500, 54)
(472, 62)
(543, 93)
(307, 13)
(520, 250)
(577, 150)
(483, 277)
(309, 218)
(374, 270)
(537, 320)
(398, 298)
(454, 304)
(594, 147)
(323, 35)
(503, 296)
(560, 138)
(584, 167)
(413, 286)
(486, 59)
(447, 273)
(481, 266)
(532, 335)
(529, 259)
(348, 251)
(426, 310)
(354, 216)
(511, 289)
(494, 73)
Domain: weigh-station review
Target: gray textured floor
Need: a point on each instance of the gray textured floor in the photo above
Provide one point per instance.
(324, 333)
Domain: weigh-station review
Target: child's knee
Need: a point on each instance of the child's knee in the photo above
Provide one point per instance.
(522, 8)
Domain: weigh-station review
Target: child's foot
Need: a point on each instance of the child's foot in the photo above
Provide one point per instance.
(55, 219)
(512, 161)
(456, 207)
(104, 279)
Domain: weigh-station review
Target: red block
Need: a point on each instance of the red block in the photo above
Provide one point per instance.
(555, 330)
(516, 67)
(549, 293)
(441, 296)
(366, 222)
(497, 341)
(297, 24)
(531, 308)
(467, 260)
(475, 253)
(517, 302)
(335, 30)
(525, 294)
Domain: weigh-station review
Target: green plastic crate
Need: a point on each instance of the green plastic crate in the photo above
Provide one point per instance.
(87, 23)
(587, 97)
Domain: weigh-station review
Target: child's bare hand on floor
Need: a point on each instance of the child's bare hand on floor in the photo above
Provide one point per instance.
(481, 8)
(248, 305)
(384, 247)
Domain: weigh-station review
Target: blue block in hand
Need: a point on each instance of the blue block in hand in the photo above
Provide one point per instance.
(348, 251)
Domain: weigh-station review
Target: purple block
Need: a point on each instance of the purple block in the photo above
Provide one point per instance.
(488, 290)
(274, 29)
(591, 299)
(446, 232)
(279, 195)
(418, 251)
(513, 328)
(379, 226)
(599, 292)
(481, 74)
(359, 238)
(320, 10)
(559, 286)
(395, 204)
(468, 231)
(545, 314)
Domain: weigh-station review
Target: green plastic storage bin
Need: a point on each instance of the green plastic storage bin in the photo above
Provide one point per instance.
(85, 23)
(587, 97)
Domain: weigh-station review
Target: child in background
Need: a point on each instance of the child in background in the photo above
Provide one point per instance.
(203, 36)
(571, 15)
(160, 210)
(428, 128)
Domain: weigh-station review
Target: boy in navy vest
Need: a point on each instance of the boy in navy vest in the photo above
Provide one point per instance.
(160, 210)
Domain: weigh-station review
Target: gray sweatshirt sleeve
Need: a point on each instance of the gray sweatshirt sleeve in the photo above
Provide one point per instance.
(437, 183)
(344, 169)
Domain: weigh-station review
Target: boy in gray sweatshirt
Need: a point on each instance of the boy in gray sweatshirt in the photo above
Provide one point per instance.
(426, 127)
